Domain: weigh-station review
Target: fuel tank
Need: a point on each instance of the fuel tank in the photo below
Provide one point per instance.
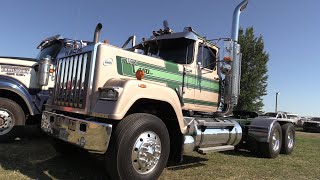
(211, 133)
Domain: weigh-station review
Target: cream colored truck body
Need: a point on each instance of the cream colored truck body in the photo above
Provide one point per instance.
(100, 103)
(115, 67)
(124, 65)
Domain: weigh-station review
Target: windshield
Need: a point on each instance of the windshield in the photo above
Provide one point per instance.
(315, 119)
(271, 114)
(51, 50)
(175, 50)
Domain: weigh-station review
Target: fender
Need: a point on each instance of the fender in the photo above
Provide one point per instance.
(132, 90)
(11, 84)
(260, 128)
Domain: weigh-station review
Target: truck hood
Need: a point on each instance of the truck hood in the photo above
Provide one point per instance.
(21, 61)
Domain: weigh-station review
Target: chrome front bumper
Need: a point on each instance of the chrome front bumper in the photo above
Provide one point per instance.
(92, 136)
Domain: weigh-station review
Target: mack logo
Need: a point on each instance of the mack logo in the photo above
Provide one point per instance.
(72, 51)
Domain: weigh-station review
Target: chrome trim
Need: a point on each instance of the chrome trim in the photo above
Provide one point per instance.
(61, 81)
(189, 144)
(260, 128)
(236, 18)
(14, 85)
(91, 75)
(146, 152)
(83, 76)
(77, 89)
(68, 97)
(72, 82)
(57, 80)
(6, 121)
(89, 135)
(79, 72)
(65, 81)
(275, 141)
(72, 91)
(65, 108)
(205, 135)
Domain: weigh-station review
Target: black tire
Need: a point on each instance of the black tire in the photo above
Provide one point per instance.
(288, 138)
(273, 147)
(12, 118)
(121, 162)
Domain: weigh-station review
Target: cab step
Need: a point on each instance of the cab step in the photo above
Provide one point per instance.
(214, 124)
(215, 149)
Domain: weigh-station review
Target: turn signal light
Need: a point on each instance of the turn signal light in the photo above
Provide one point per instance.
(227, 58)
(139, 74)
(51, 70)
(142, 86)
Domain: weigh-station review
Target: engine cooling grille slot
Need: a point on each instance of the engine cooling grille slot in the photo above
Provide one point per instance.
(71, 82)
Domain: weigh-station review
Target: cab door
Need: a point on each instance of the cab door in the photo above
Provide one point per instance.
(207, 81)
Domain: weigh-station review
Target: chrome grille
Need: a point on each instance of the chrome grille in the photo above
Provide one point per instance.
(72, 80)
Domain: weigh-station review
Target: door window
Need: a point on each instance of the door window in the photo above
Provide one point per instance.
(207, 57)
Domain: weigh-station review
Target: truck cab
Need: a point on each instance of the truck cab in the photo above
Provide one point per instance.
(194, 61)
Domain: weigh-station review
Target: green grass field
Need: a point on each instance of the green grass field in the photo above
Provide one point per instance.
(34, 158)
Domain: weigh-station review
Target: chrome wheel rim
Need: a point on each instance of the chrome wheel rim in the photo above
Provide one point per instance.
(6, 121)
(146, 152)
(276, 140)
(290, 139)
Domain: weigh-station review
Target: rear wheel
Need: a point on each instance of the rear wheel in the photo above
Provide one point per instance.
(272, 148)
(11, 117)
(139, 148)
(288, 141)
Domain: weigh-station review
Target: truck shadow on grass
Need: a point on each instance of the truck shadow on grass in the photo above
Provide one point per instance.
(188, 162)
(35, 158)
(241, 152)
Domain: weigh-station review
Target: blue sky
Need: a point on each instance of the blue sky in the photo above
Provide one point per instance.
(289, 28)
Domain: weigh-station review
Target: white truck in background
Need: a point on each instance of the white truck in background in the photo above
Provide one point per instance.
(22, 89)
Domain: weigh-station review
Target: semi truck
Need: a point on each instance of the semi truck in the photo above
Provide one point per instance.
(169, 95)
(22, 89)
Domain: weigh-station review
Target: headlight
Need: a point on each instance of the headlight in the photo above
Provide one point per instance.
(110, 93)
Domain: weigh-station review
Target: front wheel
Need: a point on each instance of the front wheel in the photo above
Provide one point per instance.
(288, 134)
(271, 149)
(139, 148)
(11, 116)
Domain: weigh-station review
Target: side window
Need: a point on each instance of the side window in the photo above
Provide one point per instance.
(207, 57)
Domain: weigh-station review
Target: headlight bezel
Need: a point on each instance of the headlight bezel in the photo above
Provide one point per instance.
(109, 93)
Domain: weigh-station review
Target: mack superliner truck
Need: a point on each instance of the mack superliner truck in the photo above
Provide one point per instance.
(168, 95)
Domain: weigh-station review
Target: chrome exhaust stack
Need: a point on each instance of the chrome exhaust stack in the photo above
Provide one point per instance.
(231, 67)
(236, 18)
(97, 33)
